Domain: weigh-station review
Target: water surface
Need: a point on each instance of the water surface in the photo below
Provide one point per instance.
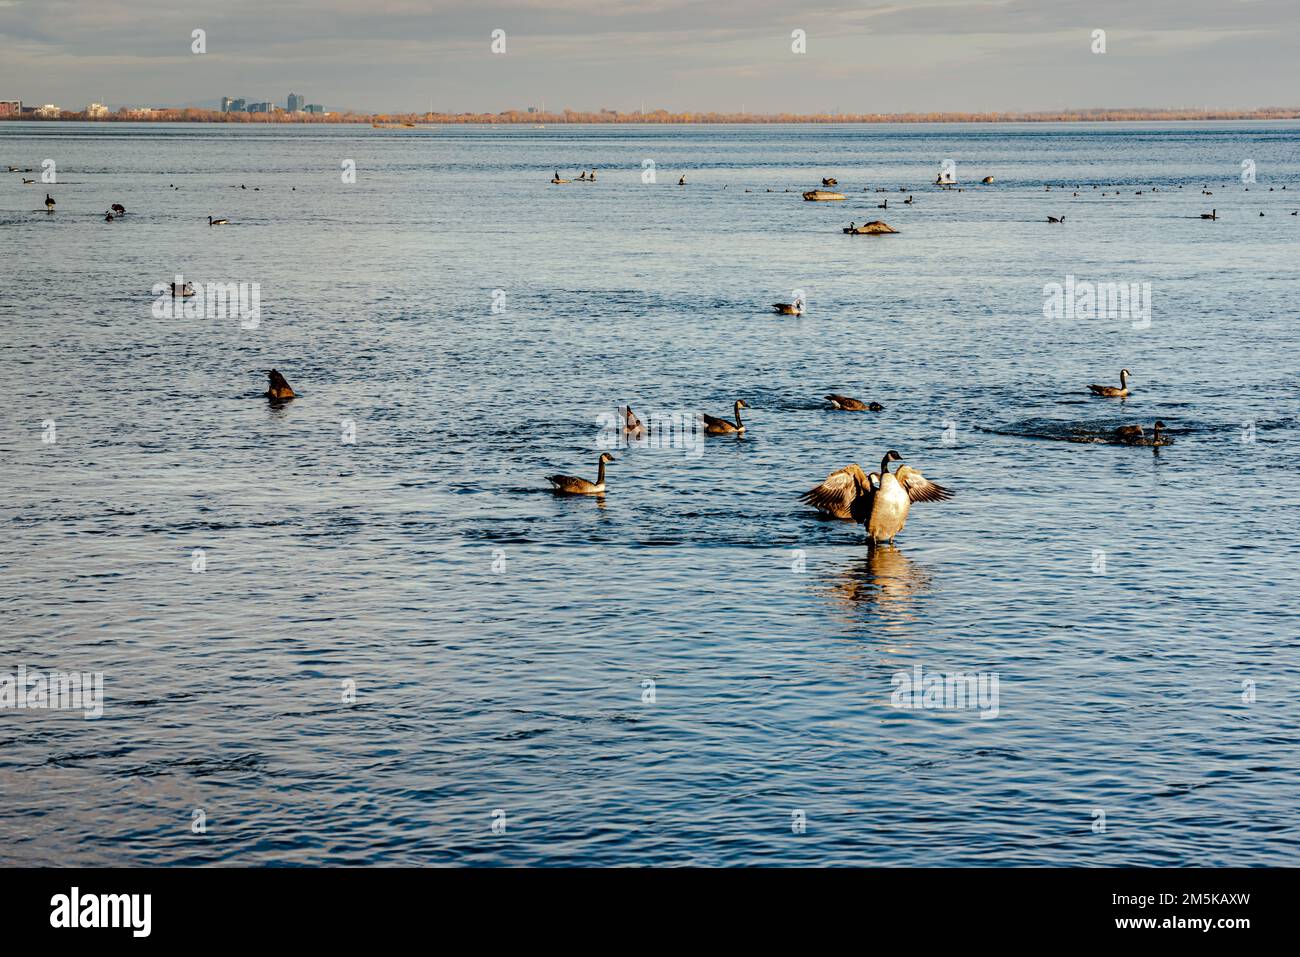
(500, 639)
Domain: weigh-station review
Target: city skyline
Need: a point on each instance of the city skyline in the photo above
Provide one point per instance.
(757, 56)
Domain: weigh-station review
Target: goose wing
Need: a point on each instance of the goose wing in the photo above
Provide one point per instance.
(919, 488)
(714, 422)
(837, 495)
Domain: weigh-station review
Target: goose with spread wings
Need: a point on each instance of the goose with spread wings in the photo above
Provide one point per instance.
(881, 501)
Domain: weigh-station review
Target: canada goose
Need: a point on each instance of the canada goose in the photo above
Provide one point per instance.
(118, 208)
(845, 494)
(556, 178)
(1110, 391)
(1133, 435)
(884, 205)
(1212, 214)
(218, 222)
(893, 500)
(592, 177)
(716, 426)
(582, 177)
(279, 390)
(789, 308)
(850, 404)
(830, 181)
(1053, 219)
(851, 493)
(27, 182)
(988, 179)
(49, 202)
(108, 217)
(572, 485)
(682, 181)
(632, 427)
(184, 290)
(908, 201)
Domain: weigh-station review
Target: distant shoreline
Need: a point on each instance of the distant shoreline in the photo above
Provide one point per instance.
(657, 117)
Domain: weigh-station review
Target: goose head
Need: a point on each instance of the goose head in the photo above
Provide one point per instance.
(742, 404)
(1123, 376)
(606, 458)
(890, 456)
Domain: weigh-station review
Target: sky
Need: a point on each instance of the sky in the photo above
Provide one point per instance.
(862, 56)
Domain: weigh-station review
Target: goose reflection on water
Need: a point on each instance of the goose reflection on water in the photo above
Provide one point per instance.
(884, 578)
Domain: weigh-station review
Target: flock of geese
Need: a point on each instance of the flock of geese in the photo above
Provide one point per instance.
(117, 211)
(881, 500)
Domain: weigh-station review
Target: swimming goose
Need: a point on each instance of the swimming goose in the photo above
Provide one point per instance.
(572, 485)
(988, 179)
(908, 201)
(118, 208)
(893, 500)
(682, 181)
(218, 222)
(1133, 435)
(789, 308)
(108, 217)
(279, 390)
(1054, 219)
(853, 405)
(830, 181)
(185, 290)
(49, 202)
(1212, 214)
(845, 494)
(884, 205)
(1110, 391)
(716, 426)
(26, 181)
(632, 427)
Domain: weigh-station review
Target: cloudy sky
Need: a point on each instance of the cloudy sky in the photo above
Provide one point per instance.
(862, 55)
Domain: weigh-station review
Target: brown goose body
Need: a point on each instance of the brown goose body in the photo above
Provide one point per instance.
(850, 404)
(789, 308)
(892, 502)
(1113, 392)
(715, 426)
(279, 390)
(632, 427)
(573, 485)
(1133, 435)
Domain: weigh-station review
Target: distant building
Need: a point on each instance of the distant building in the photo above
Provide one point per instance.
(295, 103)
(49, 111)
(314, 108)
(238, 106)
(532, 109)
(225, 104)
(259, 107)
(96, 111)
(11, 107)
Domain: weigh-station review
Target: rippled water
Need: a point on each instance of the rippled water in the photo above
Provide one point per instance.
(500, 638)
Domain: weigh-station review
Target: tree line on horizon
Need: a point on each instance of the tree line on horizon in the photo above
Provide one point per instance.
(192, 115)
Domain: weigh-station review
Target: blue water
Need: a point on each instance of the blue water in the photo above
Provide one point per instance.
(500, 639)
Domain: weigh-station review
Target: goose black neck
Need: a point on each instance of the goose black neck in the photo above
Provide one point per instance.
(884, 466)
(600, 473)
